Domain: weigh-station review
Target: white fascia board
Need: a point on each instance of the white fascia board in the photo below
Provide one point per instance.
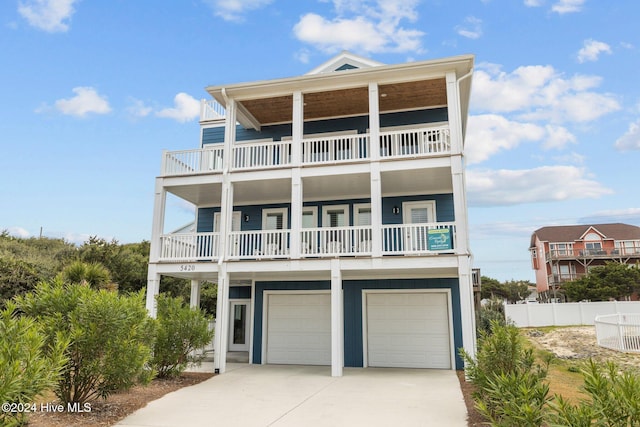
(354, 78)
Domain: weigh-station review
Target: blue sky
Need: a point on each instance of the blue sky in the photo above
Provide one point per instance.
(93, 91)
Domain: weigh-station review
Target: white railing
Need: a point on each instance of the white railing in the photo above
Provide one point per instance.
(202, 160)
(211, 110)
(332, 149)
(415, 142)
(619, 332)
(189, 246)
(336, 241)
(258, 244)
(418, 238)
(261, 155)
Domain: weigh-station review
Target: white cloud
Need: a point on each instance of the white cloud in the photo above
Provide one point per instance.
(631, 139)
(18, 232)
(542, 184)
(471, 29)
(47, 15)
(538, 92)
(558, 137)
(591, 50)
(567, 6)
(138, 109)
(86, 101)
(233, 10)
(186, 108)
(491, 133)
(627, 215)
(362, 26)
(533, 3)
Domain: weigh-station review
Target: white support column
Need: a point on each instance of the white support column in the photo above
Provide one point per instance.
(157, 225)
(374, 122)
(153, 288)
(221, 340)
(297, 129)
(296, 213)
(376, 211)
(460, 205)
(194, 300)
(337, 322)
(467, 308)
(453, 108)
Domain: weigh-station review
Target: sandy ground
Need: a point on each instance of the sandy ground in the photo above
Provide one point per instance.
(579, 343)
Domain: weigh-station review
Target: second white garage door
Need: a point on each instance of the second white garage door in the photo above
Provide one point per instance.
(408, 330)
(299, 329)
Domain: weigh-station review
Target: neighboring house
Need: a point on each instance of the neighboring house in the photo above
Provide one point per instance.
(331, 213)
(563, 253)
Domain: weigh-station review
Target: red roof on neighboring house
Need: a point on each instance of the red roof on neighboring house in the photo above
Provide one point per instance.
(571, 233)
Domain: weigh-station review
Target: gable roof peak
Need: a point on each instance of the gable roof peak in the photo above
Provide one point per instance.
(344, 60)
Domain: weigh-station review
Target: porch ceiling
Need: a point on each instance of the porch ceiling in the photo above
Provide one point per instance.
(349, 102)
(417, 181)
(200, 195)
(264, 191)
(336, 187)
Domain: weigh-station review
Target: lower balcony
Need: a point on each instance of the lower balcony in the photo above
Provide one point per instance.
(400, 239)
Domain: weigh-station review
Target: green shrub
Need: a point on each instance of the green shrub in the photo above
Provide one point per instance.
(110, 337)
(25, 369)
(614, 399)
(181, 331)
(509, 387)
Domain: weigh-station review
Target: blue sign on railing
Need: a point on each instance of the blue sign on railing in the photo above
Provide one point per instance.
(439, 239)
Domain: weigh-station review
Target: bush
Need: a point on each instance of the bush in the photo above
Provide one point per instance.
(181, 331)
(110, 337)
(509, 387)
(614, 399)
(25, 369)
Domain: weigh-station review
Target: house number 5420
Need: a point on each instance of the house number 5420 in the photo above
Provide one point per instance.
(187, 267)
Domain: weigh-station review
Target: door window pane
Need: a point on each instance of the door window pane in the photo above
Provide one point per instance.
(239, 322)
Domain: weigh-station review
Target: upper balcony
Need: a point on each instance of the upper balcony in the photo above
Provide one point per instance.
(597, 253)
(419, 142)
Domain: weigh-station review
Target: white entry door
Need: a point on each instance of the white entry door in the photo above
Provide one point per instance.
(239, 326)
(416, 215)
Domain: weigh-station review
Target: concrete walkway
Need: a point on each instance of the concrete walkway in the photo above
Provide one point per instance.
(274, 395)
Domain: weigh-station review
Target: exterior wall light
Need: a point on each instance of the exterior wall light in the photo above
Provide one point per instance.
(395, 210)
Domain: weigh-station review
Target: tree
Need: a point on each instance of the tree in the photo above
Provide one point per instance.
(17, 277)
(492, 288)
(612, 281)
(516, 290)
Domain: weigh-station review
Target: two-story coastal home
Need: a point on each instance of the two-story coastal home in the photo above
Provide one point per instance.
(331, 213)
(564, 253)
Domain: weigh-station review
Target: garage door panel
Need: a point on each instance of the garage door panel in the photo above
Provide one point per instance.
(299, 329)
(408, 330)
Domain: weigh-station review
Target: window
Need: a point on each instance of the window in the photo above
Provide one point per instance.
(274, 242)
(362, 215)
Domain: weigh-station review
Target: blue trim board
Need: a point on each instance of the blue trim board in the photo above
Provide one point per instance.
(352, 292)
(240, 292)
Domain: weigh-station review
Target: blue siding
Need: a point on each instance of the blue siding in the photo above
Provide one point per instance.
(240, 292)
(444, 211)
(353, 346)
(360, 123)
(258, 305)
(444, 207)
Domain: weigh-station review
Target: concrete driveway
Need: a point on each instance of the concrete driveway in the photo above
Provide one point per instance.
(275, 395)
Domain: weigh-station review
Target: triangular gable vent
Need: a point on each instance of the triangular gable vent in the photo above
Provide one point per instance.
(344, 61)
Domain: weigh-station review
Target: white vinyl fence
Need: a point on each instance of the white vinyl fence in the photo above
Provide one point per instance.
(566, 314)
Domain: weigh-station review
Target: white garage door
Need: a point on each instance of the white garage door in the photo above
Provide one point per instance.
(408, 330)
(299, 329)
